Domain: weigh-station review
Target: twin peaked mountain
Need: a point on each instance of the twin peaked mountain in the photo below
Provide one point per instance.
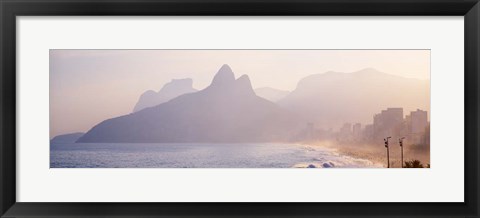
(226, 111)
(229, 110)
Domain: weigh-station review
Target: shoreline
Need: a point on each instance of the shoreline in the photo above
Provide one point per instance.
(377, 153)
(341, 159)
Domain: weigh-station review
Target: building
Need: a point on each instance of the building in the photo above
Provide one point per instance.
(310, 131)
(419, 121)
(427, 135)
(387, 123)
(346, 131)
(368, 132)
(357, 130)
(416, 125)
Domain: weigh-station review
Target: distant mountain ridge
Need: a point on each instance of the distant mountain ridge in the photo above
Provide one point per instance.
(271, 94)
(332, 98)
(171, 90)
(66, 138)
(227, 111)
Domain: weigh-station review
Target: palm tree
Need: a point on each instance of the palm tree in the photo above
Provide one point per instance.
(413, 164)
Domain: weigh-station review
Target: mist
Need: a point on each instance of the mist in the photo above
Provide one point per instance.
(89, 86)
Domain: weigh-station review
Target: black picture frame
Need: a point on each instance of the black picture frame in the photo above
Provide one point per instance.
(10, 9)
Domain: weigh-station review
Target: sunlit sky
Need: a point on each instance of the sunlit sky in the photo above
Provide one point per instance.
(89, 86)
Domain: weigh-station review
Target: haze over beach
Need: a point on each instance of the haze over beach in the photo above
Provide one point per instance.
(295, 108)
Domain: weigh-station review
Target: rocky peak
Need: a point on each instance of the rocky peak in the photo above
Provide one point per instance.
(224, 76)
(244, 85)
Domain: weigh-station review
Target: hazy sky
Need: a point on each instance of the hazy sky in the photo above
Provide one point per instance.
(89, 86)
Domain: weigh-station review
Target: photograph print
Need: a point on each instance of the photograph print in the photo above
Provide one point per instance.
(239, 108)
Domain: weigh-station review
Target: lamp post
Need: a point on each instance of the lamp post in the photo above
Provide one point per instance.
(400, 141)
(388, 152)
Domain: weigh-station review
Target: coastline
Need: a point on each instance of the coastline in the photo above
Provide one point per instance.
(338, 158)
(377, 153)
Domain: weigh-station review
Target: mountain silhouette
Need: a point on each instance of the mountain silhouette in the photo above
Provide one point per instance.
(227, 111)
(333, 98)
(66, 138)
(271, 94)
(169, 91)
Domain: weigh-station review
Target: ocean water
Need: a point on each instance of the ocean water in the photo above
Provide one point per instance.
(189, 155)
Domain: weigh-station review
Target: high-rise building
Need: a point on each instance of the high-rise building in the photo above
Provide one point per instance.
(387, 123)
(427, 135)
(310, 131)
(368, 132)
(346, 131)
(357, 130)
(417, 123)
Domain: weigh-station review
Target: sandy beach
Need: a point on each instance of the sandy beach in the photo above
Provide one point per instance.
(377, 153)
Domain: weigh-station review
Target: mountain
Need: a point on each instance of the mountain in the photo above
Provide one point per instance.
(66, 138)
(169, 91)
(271, 94)
(333, 98)
(227, 111)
